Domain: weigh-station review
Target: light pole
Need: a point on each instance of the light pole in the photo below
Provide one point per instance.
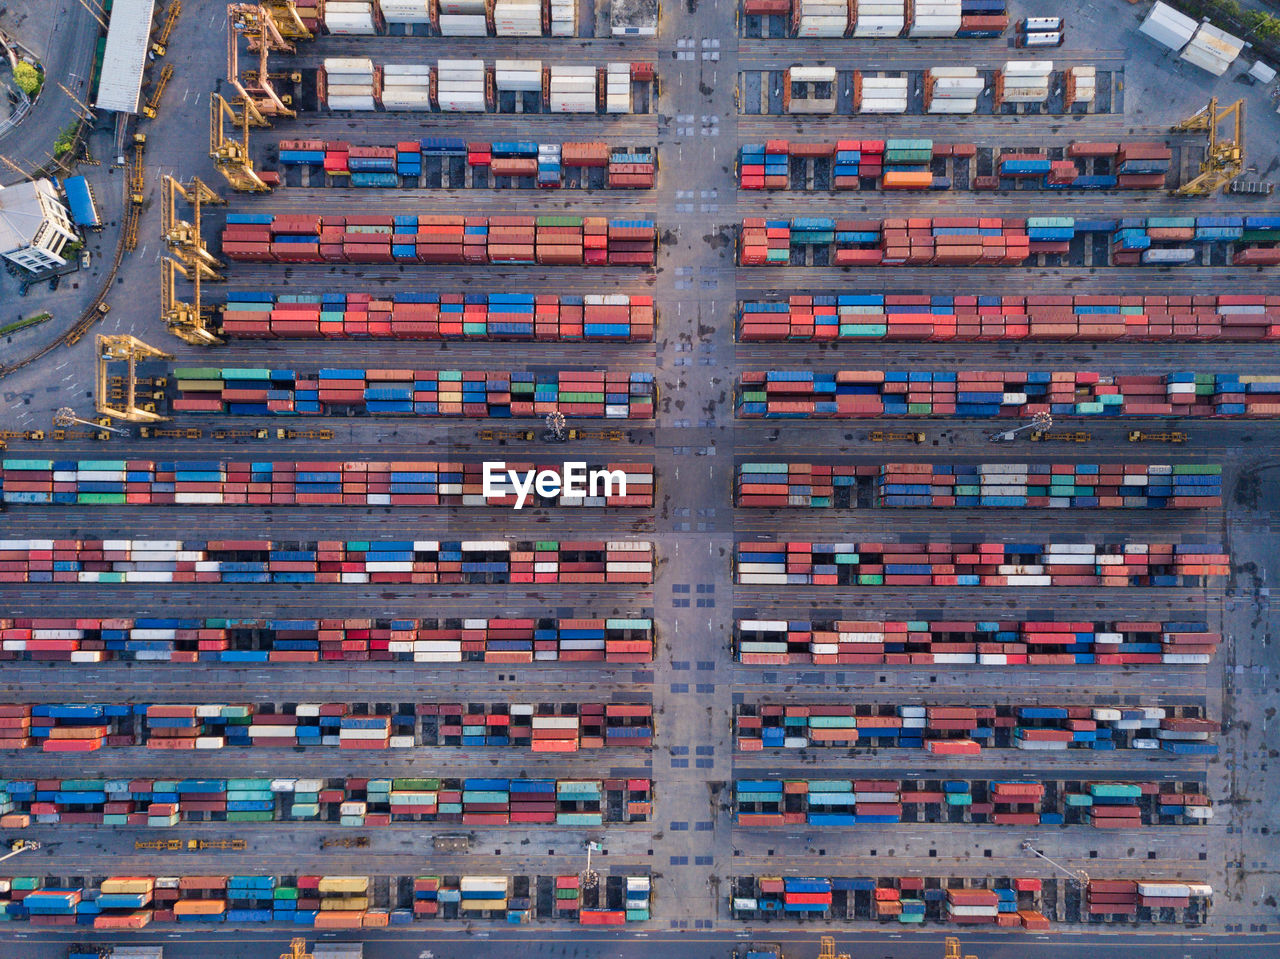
(66, 416)
(1078, 876)
(555, 431)
(590, 878)
(1040, 422)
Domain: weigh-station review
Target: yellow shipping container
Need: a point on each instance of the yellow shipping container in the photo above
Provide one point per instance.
(482, 905)
(354, 903)
(128, 884)
(347, 884)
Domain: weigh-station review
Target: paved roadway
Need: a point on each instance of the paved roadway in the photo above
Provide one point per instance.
(549, 942)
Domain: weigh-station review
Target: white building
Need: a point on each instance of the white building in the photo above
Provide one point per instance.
(34, 225)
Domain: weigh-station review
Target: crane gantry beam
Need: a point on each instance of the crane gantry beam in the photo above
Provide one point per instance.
(255, 23)
(187, 321)
(231, 156)
(1223, 158)
(129, 349)
(185, 239)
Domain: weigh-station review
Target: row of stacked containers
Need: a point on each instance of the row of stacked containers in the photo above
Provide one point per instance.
(363, 802)
(545, 317)
(967, 730)
(815, 90)
(1053, 802)
(548, 239)
(96, 639)
(507, 162)
(330, 562)
(906, 164)
(871, 19)
(472, 86)
(1063, 642)
(1008, 394)
(87, 727)
(341, 901)
(978, 564)
(1009, 902)
(1237, 317)
(308, 483)
(493, 394)
(1043, 639)
(447, 18)
(1000, 485)
(319, 901)
(1007, 241)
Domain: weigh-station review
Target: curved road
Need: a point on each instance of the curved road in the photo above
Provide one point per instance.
(62, 34)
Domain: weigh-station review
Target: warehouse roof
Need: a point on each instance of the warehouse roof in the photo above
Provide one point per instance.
(125, 56)
(21, 215)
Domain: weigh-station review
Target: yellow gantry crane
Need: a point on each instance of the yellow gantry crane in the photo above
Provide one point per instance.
(187, 321)
(231, 156)
(1223, 158)
(828, 949)
(297, 950)
(255, 23)
(152, 106)
(953, 949)
(133, 210)
(284, 14)
(160, 48)
(185, 239)
(118, 348)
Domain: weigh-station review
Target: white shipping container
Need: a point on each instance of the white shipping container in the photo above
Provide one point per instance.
(1168, 27)
(350, 90)
(763, 647)
(958, 87)
(950, 105)
(762, 579)
(815, 27)
(1028, 68)
(404, 99)
(351, 103)
(898, 105)
(1207, 60)
(871, 27)
(405, 11)
(518, 80)
(1163, 890)
(349, 26)
(812, 74)
(762, 625)
(931, 26)
(406, 70)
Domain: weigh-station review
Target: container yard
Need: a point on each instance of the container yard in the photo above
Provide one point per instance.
(769, 478)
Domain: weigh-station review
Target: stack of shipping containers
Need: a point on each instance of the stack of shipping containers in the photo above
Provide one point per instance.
(892, 610)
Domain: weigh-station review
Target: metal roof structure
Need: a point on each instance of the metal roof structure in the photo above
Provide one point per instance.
(125, 56)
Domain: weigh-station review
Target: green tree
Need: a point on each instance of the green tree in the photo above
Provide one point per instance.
(27, 78)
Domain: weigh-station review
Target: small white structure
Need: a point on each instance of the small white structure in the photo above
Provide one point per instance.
(34, 225)
(1167, 27)
(1262, 73)
(1212, 49)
